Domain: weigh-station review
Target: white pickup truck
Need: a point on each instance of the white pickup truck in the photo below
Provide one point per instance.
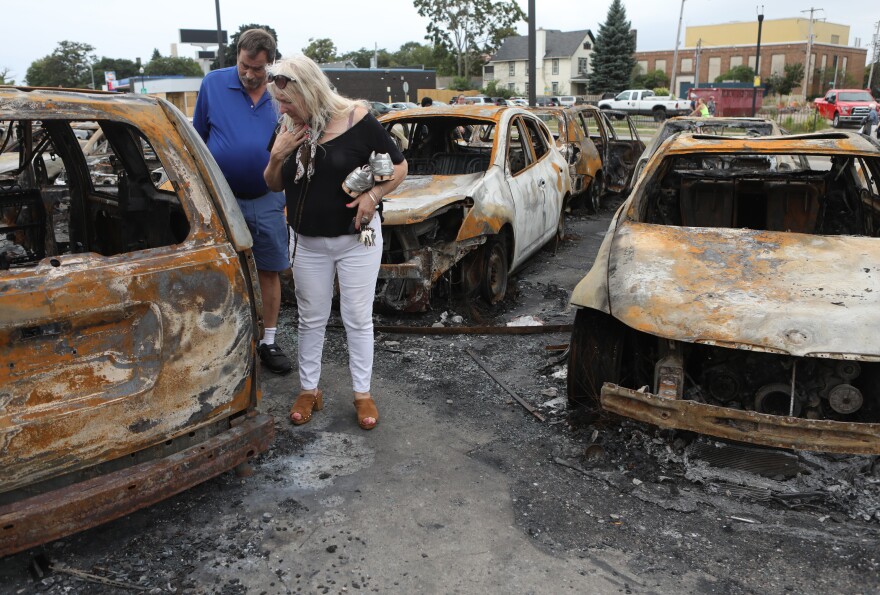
(643, 102)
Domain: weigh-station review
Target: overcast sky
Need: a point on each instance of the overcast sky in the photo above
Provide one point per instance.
(132, 29)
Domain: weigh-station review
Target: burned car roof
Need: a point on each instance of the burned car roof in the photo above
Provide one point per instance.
(756, 261)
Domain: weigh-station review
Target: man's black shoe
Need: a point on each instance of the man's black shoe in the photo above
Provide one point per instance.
(273, 358)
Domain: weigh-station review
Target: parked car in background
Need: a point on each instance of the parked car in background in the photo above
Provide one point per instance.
(485, 190)
(130, 315)
(643, 102)
(736, 294)
(544, 101)
(845, 106)
(736, 127)
(401, 105)
(580, 131)
(479, 100)
(564, 100)
(518, 102)
(377, 108)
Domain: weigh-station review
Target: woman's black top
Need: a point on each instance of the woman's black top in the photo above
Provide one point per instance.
(323, 211)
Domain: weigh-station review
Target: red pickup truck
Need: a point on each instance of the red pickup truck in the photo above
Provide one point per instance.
(845, 106)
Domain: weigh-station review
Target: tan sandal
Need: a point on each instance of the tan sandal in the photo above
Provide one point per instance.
(305, 403)
(366, 408)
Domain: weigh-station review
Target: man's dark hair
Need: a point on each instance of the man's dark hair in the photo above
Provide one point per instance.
(426, 101)
(254, 41)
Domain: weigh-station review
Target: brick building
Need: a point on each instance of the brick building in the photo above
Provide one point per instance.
(712, 50)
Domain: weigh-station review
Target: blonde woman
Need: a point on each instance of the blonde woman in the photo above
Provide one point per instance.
(322, 137)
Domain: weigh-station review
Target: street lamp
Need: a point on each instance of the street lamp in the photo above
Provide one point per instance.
(141, 70)
(757, 82)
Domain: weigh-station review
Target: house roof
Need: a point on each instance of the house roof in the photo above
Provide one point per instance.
(560, 44)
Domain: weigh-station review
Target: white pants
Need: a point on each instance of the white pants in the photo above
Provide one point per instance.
(317, 262)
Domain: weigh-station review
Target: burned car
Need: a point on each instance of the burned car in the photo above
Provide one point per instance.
(599, 159)
(486, 189)
(130, 315)
(696, 125)
(736, 293)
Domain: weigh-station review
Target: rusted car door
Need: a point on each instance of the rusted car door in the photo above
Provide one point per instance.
(622, 147)
(134, 326)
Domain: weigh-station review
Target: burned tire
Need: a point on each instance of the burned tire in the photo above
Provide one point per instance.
(493, 285)
(597, 351)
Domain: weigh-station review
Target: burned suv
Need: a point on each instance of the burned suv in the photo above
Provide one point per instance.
(736, 294)
(129, 313)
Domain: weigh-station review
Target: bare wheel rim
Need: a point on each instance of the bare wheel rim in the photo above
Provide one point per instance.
(495, 282)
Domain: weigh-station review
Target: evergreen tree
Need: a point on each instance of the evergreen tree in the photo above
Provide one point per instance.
(613, 59)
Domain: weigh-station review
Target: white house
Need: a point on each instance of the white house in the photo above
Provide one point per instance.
(562, 70)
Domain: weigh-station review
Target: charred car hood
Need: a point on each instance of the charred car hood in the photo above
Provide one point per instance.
(784, 292)
(418, 197)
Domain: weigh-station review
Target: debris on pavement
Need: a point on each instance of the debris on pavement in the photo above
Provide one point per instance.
(528, 407)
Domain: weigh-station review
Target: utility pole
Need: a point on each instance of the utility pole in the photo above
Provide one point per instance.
(672, 89)
(533, 93)
(808, 71)
(874, 53)
(697, 64)
(220, 51)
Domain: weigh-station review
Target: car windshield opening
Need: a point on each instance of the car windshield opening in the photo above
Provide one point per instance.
(812, 194)
(444, 146)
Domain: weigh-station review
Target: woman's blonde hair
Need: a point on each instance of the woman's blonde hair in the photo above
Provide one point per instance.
(309, 89)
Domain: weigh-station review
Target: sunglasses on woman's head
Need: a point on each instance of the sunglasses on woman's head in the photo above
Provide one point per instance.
(279, 79)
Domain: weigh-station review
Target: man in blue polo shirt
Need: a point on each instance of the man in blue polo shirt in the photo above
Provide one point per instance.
(236, 117)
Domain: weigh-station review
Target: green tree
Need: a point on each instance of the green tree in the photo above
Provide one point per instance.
(468, 27)
(613, 59)
(650, 80)
(494, 90)
(782, 84)
(321, 50)
(362, 57)
(229, 52)
(742, 74)
(875, 78)
(123, 68)
(6, 76)
(460, 83)
(164, 65)
(794, 74)
(413, 53)
(66, 66)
